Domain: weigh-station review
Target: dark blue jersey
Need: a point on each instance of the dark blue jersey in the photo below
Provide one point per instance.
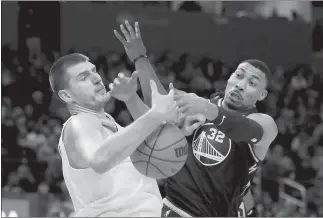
(216, 174)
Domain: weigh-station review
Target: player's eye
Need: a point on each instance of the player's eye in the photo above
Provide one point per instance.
(252, 83)
(238, 75)
(83, 77)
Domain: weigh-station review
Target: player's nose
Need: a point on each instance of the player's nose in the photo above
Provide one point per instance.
(97, 79)
(239, 86)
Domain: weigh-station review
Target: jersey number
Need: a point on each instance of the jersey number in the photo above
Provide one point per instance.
(216, 135)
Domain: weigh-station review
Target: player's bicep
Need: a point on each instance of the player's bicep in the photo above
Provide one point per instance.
(86, 135)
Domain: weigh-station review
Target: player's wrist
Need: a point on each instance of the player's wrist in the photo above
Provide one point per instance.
(131, 98)
(210, 110)
(156, 115)
(139, 58)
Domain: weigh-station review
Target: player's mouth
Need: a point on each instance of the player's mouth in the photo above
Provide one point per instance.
(235, 95)
(100, 89)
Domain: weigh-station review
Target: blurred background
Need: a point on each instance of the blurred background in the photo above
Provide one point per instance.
(195, 45)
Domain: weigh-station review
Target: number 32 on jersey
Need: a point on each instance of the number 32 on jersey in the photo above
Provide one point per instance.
(216, 135)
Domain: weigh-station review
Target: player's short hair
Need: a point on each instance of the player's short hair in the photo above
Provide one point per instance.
(57, 73)
(262, 67)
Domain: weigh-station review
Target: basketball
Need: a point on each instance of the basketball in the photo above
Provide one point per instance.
(162, 154)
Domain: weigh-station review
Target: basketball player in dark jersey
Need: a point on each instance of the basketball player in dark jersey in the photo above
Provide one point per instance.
(226, 150)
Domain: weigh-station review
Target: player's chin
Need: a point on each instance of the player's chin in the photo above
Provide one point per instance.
(235, 103)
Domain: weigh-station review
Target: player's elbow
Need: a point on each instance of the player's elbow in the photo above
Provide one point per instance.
(101, 164)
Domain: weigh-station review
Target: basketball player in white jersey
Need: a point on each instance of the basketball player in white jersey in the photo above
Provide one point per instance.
(95, 150)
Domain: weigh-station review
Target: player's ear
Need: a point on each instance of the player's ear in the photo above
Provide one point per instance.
(263, 95)
(65, 96)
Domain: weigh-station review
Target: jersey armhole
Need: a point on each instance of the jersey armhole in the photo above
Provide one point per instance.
(253, 153)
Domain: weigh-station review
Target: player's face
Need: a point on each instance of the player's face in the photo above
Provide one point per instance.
(85, 86)
(245, 87)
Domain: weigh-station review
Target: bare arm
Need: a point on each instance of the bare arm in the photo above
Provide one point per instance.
(136, 106)
(257, 129)
(146, 73)
(136, 52)
(102, 154)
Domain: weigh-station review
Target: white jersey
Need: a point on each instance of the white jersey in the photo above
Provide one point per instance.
(121, 191)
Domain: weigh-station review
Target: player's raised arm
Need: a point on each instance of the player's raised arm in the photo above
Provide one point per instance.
(256, 129)
(103, 154)
(136, 52)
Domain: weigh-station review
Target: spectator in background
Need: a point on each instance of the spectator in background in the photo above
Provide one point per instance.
(286, 127)
(183, 70)
(279, 80)
(26, 180)
(272, 171)
(12, 184)
(45, 199)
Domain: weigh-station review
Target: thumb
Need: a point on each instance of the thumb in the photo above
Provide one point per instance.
(200, 117)
(108, 94)
(195, 126)
(191, 128)
(171, 91)
(134, 77)
(171, 86)
(153, 87)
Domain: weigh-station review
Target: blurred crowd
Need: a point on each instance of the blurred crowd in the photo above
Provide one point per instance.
(32, 121)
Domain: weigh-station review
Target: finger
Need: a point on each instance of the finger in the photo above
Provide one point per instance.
(111, 86)
(153, 87)
(138, 33)
(200, 117)
(171, 86)
(134, 77)
(125, 33)
(130, 29)
(121, 75)
(179, 92)
(116, 81)
(190, 119)
(171, 93)
(184, 109)
(194, 126)
(181, 103)
(178, 97)
(121, 39)
(109, 94)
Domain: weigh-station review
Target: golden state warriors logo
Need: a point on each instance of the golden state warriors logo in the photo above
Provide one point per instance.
(210, 145)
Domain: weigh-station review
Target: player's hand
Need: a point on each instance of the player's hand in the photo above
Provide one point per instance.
(163, 105)
(176, 91)
(191, 123)
(131, 41)
(123, 88)
(190, 103)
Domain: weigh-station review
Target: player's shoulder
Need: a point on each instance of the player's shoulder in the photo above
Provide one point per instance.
(83, 122)
(266, 121)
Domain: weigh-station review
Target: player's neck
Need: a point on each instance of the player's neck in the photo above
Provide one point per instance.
(75, 109)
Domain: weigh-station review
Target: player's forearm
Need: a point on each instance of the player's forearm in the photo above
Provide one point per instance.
(136, 106)
(234, 124)
(146, 73)
(119, 146)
